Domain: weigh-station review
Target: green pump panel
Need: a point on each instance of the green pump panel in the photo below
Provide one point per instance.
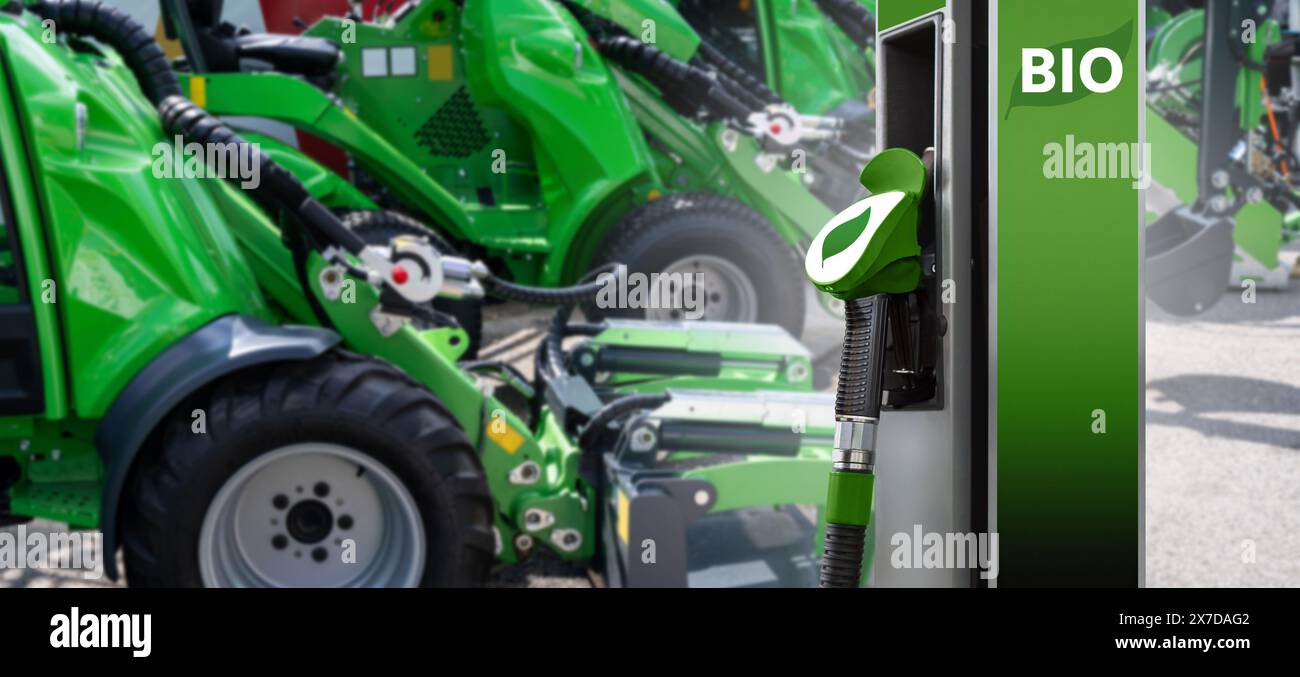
(1012, 392)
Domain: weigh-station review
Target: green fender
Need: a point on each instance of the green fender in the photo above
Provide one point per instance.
(535, 61)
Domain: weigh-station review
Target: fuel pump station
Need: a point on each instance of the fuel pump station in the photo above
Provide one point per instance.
(990, 375)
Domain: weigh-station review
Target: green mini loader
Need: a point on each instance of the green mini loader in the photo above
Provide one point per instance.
(1221, 118)
(204, 362)
(545, 137)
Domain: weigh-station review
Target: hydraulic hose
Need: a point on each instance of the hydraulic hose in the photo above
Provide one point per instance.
(544, 296)
(853, 18)
(149, 64)
(857, 412)
(278, 188)
(748, 83)
(361, 220)
(732, 84)
(672, 76)
(113, 27)
(551, 359)
(614, 411)
(553, 345)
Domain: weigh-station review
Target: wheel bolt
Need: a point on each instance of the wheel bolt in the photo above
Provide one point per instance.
(280, 501)
(345, 522)
(279, 542)
(321, 489)
(319, 554)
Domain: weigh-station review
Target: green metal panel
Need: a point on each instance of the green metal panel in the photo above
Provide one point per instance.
(1176, 45)
(765, 480)
(138, 261)
(299, 104)
(751, 356)
(31, 235)
(1250, 99)
(767, 35)
(1257, 232)
(672, 33)
(1173, 157)
(323, 184)
(1085, 305)
(62, 485)
(534, 60)
(890, 13)
(713, 159)
(817, 66)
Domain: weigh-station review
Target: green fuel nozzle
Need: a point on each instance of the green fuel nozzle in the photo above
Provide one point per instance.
(863, 255)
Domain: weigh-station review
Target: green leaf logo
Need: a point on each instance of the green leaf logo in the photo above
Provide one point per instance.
(844, 235)
(1119, 41)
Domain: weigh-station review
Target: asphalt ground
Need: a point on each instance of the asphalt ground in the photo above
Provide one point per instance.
(1223, 442)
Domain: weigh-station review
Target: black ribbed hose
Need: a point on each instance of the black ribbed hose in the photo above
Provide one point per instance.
(115, 28)
(550, 360)
(759, 90)
(853, 18)
(278, 189)
(862, 359)
(152, 70)
(361, 220)
(615, 410)
(542, 296)
(673, 76)
(858, 395)
(842, 552)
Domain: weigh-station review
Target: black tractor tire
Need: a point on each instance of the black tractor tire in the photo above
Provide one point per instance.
(378, 227)
(340, 399)
(672, 227)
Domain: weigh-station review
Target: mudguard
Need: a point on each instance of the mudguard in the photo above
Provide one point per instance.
(221, 347)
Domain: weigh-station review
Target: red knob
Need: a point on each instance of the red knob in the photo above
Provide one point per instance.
(400, 275)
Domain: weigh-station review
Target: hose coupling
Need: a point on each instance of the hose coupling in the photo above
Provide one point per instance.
(855, 444)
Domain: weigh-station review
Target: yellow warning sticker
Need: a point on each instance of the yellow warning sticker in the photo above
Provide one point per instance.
(624, 516)
(199, 91)
(506, 437)
(440, 62)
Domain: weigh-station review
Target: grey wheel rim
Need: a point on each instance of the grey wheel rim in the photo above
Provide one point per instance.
(312, 515)
(725, 291)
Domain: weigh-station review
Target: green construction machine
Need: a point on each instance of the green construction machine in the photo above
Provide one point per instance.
(817, 55)
(212, 367)
(547, 138)
(813, 56)
(1221, 123)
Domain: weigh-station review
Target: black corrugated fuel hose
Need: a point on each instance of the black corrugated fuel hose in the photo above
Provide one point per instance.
(857, 408)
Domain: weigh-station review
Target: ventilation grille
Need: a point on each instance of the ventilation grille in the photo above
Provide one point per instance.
(455, 130)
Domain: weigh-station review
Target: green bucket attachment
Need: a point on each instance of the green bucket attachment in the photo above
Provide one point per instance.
(1188, 260)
